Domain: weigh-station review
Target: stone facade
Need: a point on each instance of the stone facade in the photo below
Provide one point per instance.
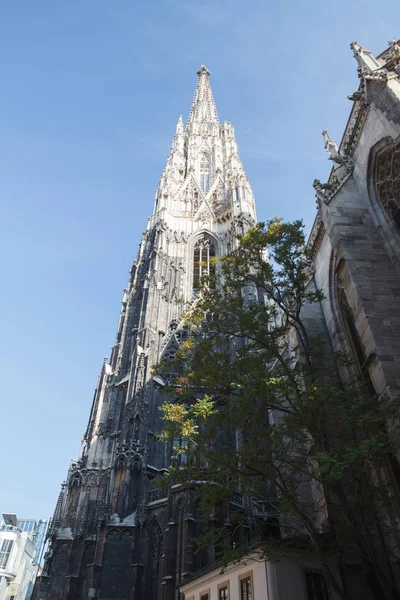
(356, 243)
(356, 234)
(356, 246)
(114, 534)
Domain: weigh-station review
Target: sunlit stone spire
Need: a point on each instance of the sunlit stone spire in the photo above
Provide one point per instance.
(203, 203)
(203, 106)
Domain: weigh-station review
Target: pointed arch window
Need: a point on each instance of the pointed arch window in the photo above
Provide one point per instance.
(156, 558)
(203, 262)
(180, 547)
(353, 338)
(205, 173)
(388, 182)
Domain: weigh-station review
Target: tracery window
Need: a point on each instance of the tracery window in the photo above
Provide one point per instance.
(203, 261)
(388, 182)
(157, 555)
(205, 173)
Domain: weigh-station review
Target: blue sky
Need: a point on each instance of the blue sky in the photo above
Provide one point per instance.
(90, 93)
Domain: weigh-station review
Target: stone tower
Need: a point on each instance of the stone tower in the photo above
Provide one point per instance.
(114, 534)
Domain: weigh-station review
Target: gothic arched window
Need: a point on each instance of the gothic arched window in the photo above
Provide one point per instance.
(180, 542)
(203, 261)
(156, 556)
(354, 340)
(388, 182)
(205, 173)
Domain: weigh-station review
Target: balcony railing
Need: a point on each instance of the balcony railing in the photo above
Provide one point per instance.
(11, 528)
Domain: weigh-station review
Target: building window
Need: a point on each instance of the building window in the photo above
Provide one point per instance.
(246, 592)
(180, 546)
(388, 182)
(5, 552)
(205, 174)
(205, 596)
(157, 555)
(223, 592)
(316, 586)
(203, 261)
(355, 341)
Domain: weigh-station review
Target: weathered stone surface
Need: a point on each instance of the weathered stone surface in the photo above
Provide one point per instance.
(114, 534)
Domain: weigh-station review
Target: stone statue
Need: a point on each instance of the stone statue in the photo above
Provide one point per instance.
(394, 51)
(330, 146)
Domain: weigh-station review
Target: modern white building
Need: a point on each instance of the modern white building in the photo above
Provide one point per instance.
(254, 578)
(21, 544)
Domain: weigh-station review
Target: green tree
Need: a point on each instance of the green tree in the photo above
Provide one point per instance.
(261, 424)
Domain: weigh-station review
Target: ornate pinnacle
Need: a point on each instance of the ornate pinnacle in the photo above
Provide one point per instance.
(357, 49)
(365, 59)
(179, 125)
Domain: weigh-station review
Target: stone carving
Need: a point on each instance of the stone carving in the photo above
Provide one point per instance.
(394, 49)
(330, 145)
(100, 430)
(92, 479)
(326, 191)
(334, 155)
(130, 455)
(157, 494)
(355, 124)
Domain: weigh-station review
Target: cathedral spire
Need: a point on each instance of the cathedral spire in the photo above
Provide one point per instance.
(203, 105)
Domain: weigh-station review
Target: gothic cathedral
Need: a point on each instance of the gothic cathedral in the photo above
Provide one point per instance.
(114, 534)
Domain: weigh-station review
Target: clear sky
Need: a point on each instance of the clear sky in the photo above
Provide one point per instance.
(90, 94)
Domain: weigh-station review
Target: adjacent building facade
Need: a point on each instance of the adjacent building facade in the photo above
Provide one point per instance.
(114, 534)
(21, 549)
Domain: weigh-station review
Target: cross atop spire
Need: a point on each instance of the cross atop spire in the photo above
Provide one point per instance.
(203, 106)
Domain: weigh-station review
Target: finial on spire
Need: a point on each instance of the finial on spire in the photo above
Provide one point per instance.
(179, 125)
(203, 69)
